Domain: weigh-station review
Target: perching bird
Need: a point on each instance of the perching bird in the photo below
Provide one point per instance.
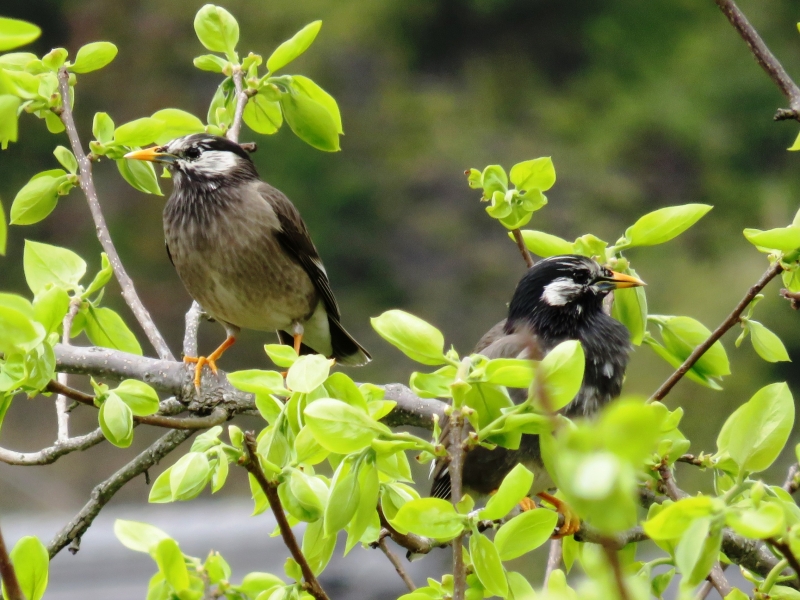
(558, 299)
(244, 253)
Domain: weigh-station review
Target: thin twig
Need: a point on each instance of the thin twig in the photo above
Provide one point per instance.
(523, 249)
(455, 469)
(731, 320)
(241, 100)
(7, 574)
(87, 185)
(554, 558)
(690, 459)
(763, 56)
(253, 466)
(62, 413)
(49, 455)
(792, 297)
(192, 326)
(71, 533)
(616, 569)
(792, 482)
(718, 581)
(790, 556)
(398, 566)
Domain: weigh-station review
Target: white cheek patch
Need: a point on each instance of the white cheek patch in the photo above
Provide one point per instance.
(215, 162)
(561, 291)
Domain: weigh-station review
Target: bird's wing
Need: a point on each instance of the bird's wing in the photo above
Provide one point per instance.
(495, 343)
(294, 238)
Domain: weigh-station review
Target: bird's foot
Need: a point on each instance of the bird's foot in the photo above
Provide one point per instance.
(572, 522)
(526, 504)
(210, 360)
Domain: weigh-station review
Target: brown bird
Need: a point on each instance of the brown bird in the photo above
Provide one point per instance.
(244, 253)
(558, 299)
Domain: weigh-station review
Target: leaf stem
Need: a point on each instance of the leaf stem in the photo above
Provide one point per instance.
(253, 466)
(523, 249)
(87, 185)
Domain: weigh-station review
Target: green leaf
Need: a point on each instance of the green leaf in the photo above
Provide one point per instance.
(3, 230)
(525, 532)
(515, 486)
(140, 174)
(217, 29)
(664, 224)
(136, 536)
(189, 476)
(543, 244)
(293, 47)
(54, 59)
(303, 496)
(175, 123)
(17, 329)
(35, 200)
(106, 328)
(140, 397)
(51, 265)
(139, 132)
(102, 278)
(518, 586)
(310, 121)
(53, 122)
(282, 355)
(30, 559)
(768, 345)
(757, 431)
(675, 519)
(116, 421)
(217, 568)
(210, 62)
(9, 128)
(255, 583)
(50, 307)
(682, 335)
(307, 449)
(160, 491)
(369, 488)
(510, 372)
(308, 373)
(630, 309)
(561, 372)
(494, 179)
(433, 385)
(488, 566)
(431, 517)
(66, 158)
(414, 337)
(342, 503)
(341, 387)
(317, 94)
(103, 128)
(317, 547)
(14, 33)
(263, 115)
(260, 502)
(761, 523)
(536, 174)
(171, 563)
(94, 56)
(339, 427)
(784, 239)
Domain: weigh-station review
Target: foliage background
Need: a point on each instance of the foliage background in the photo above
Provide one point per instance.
(641, 105)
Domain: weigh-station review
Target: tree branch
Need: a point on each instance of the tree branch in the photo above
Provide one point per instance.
(455, 469)
(71, 533)
(554, 557)
(765, 58)
(523, 249)
(61, 402)
(87, 185)
(192, 326)
(241, 100)
(50, 455)
(253, 466)
(792, 482)
(398, 566)
(729, 322)
(7, 574)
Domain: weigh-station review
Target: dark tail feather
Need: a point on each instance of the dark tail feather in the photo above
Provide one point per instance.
(441, 485)
(346, 350)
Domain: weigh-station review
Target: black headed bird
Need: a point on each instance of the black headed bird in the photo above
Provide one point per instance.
(244, 253)
(560, 298)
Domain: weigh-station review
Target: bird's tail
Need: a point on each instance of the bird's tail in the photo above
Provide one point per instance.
(346, 350)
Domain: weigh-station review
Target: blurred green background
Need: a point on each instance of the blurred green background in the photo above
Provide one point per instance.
(640, 104)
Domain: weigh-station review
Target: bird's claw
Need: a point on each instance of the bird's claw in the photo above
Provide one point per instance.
(199, 362)
(526, 504)
(572, 522)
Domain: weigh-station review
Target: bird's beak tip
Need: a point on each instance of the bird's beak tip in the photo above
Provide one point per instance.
(149, 154)
(621, 280)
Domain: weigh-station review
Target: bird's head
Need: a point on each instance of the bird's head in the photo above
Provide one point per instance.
(201, 158)
(565, 287)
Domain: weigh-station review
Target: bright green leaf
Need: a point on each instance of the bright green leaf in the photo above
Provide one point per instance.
(431, 517)
(414, 337)
(317, 94)
(525, 532)
(764, 522)
(140, 397)
(210, 62)
(94, 56)
(189, 476)
(308, 373)
(103, 128)
(176, 123)
(293, 47)
(784, 239)
(217, 29)
(515, 486)
(544, 244)
(9, 129)
(339, 427)
(538, 174)
(140, 174)
(50, 307)
(171, 563)
(311, 121)
(14, 33)
(44, 264)
(768, 345)
(106, 328)
(262, 115)
(35, 200)
(487, 564)
(664, 224)
(136, 536)
(116, 421)
(561, 373)
(30, 559)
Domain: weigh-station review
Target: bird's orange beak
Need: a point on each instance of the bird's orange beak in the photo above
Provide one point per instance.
(154, 154)
(620, 280)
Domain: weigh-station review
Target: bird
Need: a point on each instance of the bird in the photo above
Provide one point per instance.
(558, 299)
(243, 252)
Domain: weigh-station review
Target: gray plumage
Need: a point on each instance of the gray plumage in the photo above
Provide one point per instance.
(244, 253)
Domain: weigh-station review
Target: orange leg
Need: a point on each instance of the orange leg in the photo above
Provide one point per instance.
(526, 504)
(572, 523)
(298, 339)
(210, 360)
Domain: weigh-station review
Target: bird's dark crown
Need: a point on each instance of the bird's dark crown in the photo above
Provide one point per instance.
(202, 157)
(560, 292)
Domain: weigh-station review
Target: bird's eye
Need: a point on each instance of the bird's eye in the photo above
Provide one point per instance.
(192, 153)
